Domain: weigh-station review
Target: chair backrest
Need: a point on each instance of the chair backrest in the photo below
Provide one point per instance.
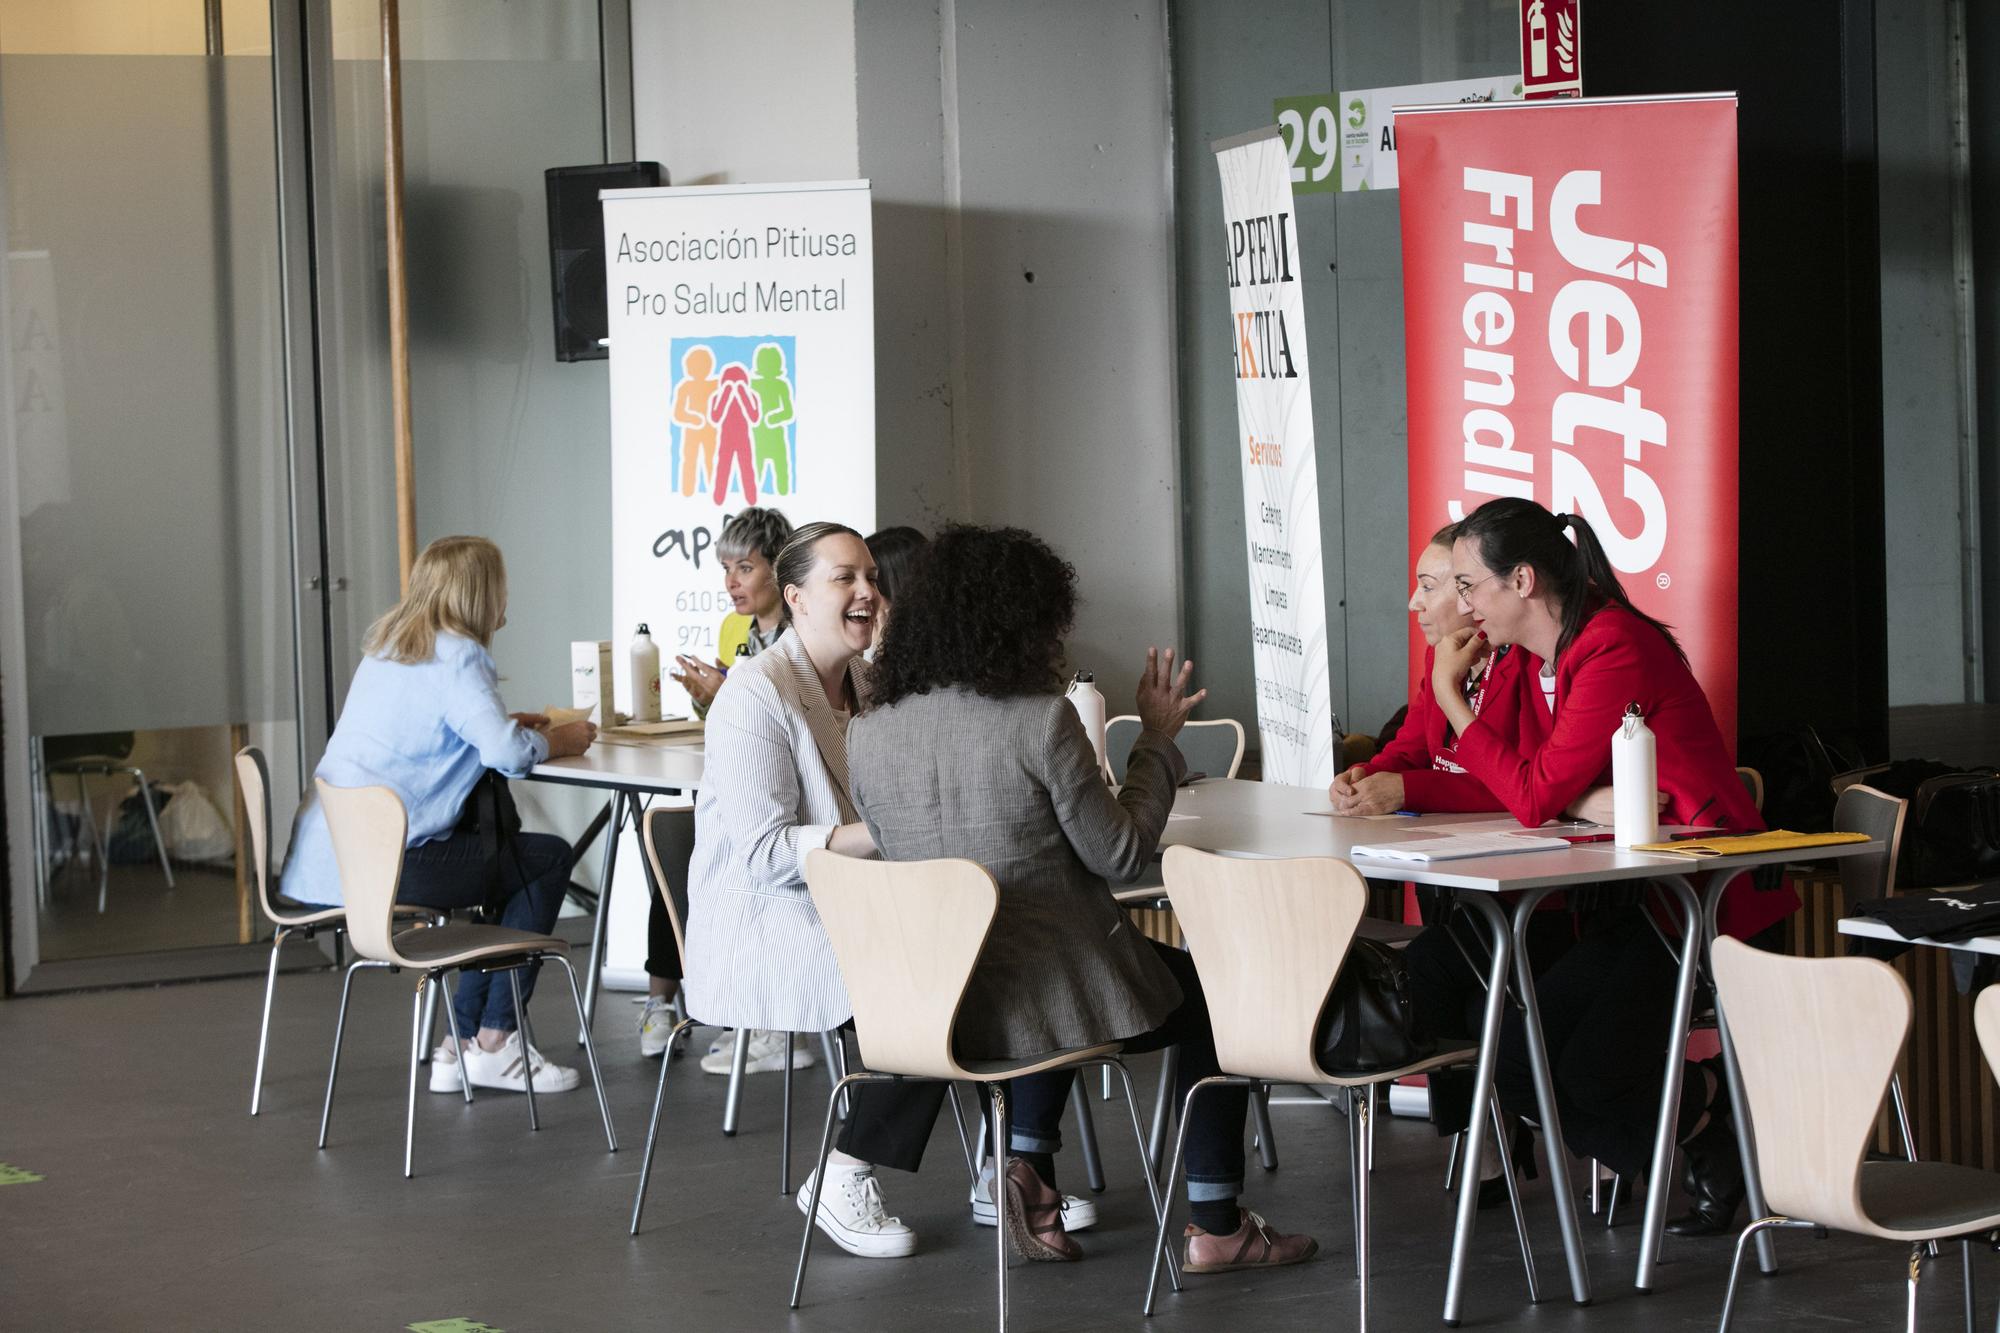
(668, 835)
(1817, 1039)
(1268, 939)
(1753, 782)
(369, 828)
(253, 782)
(1864, 809)
(1214, 748)
(1986, 1025)
(906, 935)
(1120, 734)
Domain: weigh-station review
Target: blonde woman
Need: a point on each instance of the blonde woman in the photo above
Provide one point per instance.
(423, 717)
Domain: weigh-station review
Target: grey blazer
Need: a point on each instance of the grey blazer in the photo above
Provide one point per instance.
(1013, 784)
(774, 788)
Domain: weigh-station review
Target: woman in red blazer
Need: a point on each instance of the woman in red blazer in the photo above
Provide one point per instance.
(1606, 1006)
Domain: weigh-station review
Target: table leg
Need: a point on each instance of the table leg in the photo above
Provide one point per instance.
(1739, 1104)
(1482, 1090)
(612, 828)
(1655, 1217)
(1545, 1101)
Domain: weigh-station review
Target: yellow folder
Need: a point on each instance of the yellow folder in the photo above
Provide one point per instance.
(1777, 840)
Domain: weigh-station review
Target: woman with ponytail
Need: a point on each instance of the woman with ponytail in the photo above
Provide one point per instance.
(1541, 582)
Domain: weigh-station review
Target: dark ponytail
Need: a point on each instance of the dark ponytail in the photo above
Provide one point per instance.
(1510, 532)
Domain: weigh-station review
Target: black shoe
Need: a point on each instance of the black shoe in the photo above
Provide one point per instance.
(1714, 1182)
(1493, 1193)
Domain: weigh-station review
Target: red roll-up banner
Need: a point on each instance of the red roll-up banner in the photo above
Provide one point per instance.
(1569, 287)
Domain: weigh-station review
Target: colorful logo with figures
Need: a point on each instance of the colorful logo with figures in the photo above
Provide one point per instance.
(734, 422)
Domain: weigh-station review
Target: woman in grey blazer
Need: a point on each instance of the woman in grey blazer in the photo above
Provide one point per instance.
(968, 749)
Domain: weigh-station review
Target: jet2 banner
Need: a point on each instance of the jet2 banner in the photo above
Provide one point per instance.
(1569, 280)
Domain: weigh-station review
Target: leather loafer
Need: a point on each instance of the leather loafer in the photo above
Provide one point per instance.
(1252, 1245)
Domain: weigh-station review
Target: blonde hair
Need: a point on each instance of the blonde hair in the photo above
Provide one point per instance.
(457, 586)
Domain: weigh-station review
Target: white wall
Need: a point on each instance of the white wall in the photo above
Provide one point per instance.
(1003, 138)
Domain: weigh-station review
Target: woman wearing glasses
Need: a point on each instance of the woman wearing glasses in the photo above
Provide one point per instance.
(1606, 1007)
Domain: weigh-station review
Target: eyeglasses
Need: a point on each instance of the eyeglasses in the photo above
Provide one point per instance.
(1466, 585)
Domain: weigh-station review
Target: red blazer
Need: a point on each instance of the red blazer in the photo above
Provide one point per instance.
(1505, 701)
(1620, 659)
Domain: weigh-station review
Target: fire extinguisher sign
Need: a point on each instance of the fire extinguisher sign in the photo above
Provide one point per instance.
(1551, 49)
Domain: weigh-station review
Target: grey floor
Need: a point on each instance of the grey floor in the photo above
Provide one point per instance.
(163, 1205)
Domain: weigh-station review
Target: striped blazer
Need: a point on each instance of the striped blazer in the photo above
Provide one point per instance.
(774, 788)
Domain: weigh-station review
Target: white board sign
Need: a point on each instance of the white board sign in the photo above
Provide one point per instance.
(1368, 125)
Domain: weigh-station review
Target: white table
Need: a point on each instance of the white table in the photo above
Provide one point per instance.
(631, 769)
(1238, 818)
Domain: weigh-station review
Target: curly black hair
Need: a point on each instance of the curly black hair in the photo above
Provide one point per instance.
(987, 609)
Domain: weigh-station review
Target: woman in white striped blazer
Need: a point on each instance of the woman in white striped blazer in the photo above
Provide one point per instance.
(774, 788)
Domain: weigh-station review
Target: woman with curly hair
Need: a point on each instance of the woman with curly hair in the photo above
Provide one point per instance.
(968, 749)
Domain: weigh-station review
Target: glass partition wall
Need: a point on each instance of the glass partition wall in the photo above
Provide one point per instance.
(196, 496)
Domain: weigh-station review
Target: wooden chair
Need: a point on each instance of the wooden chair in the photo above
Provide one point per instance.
(1753, 783)
(1269, 938)
(907, 935)
(1214, 748)
(667, 834)
(370, 828)
(1817, 1039)
(253, 780)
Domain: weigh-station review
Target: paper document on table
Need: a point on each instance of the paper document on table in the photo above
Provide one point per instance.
(673, 726)
(1456, 848)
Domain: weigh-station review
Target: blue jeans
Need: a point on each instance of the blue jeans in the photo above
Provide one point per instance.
(450, 872)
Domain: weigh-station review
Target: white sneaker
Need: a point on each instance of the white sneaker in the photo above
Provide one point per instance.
(656, 1026)
(724, 1041)
(766, 1055)
(506, 1068)
(853, 1215)
(444, 1068)
(1077, 1214)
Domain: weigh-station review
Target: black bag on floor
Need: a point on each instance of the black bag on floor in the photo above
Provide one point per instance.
(1369, 1023)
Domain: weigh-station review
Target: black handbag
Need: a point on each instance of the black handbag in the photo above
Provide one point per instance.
(1369, 1023)
(489, 812)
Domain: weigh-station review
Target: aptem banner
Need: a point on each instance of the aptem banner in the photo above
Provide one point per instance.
(1569, 279)
(1280, 478)
(742, 323)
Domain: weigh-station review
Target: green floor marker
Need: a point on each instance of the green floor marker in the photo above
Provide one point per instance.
(453, 1326)
(14, 1175)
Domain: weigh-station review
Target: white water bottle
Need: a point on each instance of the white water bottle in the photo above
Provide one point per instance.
(1635, 774)
(645, 677)
(1083, 696)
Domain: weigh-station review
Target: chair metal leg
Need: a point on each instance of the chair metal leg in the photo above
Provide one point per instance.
(339, 1027)
(1596, 1180)
(153, 818)
(1750, 1233)
(612, 827)
(1611, 1204)
(1163, 1101)
(264, 1028)
(1514, 1201)
(1353, 1175)
(964, 1139)
(527, 1048)
(732, 1101)
(1159, 1197)
(1107, 1087)
(834, 1046)
(1451, 1163)
(1260, 1115)
(785, 1133)
(653, 1130)
(99, 850)
(819, 1176)
(1086, 1137)
(1917, 1257)
(590, 1050)
(998, 1096)
(1173, 1173)
(457, 1037)
(430, 1021)
(1965, 1260)
(410, 1109)
(1363, 1103)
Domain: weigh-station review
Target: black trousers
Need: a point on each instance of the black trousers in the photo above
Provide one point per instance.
(1606, 1007)
(663, 960)
(890, 1124)
(1449, 995)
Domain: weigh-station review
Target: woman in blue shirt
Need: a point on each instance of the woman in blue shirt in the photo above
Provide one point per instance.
(423, 718)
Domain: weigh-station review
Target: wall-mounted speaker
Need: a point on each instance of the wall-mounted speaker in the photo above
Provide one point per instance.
(576, 249)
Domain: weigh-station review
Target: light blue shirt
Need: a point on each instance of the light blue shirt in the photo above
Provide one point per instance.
(426, 732)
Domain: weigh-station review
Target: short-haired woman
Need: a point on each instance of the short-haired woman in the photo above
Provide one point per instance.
(1541, 581)
(748, 548)
(423, 717)
(970, 750)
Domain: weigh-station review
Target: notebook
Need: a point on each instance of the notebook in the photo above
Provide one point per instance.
(1452, 848)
